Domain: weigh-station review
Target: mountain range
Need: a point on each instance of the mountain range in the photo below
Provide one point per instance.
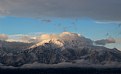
(56, 51)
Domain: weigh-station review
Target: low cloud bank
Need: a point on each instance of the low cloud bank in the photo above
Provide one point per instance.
(105, 41)
(3, 37)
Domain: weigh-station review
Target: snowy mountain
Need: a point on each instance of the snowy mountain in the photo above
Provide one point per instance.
(68, 47)
(55, 43)
(86, 54)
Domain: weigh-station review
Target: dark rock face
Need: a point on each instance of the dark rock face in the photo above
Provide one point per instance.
(48, 54)
(93, 54)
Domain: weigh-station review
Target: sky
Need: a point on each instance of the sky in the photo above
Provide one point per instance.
(94, 19)
(85, 26)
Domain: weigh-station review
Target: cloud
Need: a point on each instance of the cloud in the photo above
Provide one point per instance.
(110, 22)
(70, 39)
(63, 40)
(3, 37)
(79, 64)
(118, 40)
(103, 10)
(22, 38)
(28, 39)
(105, 41)
(59, 65)
(63, 35)
(74, 36)
(48, 36)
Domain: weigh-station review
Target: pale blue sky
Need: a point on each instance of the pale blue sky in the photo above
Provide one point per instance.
(84, 26)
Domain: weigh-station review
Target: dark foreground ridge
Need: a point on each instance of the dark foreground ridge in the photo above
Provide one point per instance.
(62, 71)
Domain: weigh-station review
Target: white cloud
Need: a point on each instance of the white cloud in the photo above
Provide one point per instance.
(48, 36)
(22, 38)
(68, 39)
(108, 22)
(3, 37)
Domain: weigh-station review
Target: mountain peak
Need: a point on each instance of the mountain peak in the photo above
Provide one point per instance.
(54, 43)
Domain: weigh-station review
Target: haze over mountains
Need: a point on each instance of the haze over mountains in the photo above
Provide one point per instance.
(59, 50)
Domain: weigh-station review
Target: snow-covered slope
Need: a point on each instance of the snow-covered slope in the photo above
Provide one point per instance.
(66, 47)
(55, 43)
(65, 40)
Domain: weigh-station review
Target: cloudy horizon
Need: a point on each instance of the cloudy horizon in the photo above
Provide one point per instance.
(23, 20)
